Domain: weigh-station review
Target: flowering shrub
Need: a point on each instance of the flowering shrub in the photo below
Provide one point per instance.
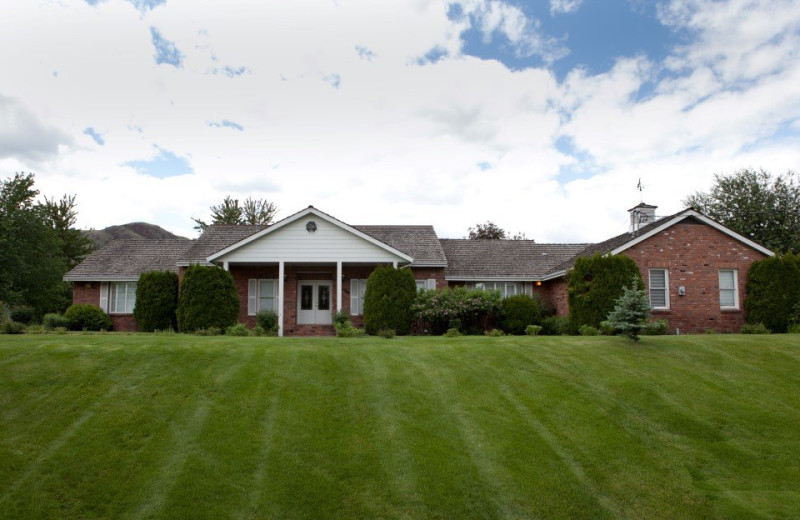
(477, 310)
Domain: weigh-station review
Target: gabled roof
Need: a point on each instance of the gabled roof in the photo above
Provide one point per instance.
(216, 238)
(126, 259)
(488, 260)
(311, 210)
(620, 243)
(418, 242)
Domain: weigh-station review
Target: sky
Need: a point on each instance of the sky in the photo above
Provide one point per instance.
(540, 116)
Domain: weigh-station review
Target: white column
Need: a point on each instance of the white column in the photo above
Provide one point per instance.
(339, 286)
(280, 297)
(394, 264)
(225, 265)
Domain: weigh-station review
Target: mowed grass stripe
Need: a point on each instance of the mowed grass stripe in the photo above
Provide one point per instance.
(687, 427)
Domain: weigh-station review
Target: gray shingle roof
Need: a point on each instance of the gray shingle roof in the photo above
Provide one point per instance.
(609, 245)
(216, 238)
(128, 258)
(418, 242)
(519, 259)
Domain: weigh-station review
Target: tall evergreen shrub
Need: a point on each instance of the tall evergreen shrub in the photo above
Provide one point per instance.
(773, 290)
(156, 301)
(595, 284)
(520, 311)
(387, 301)
(208, 299)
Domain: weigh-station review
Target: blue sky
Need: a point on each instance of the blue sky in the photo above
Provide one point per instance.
(540, 116)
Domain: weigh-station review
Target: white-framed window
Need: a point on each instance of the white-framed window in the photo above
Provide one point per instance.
(358, 287)
(262, 295)
(506, 288)
(428, 284)
(659, 289)
(728, 289)
(121, 297)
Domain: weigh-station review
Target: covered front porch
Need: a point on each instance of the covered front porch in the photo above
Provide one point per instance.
(306, 296)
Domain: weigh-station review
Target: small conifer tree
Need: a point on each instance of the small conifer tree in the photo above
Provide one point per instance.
(631, 311)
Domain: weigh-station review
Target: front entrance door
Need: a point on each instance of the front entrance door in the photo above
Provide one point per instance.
(314, 302)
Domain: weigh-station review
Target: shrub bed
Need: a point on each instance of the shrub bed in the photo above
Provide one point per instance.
(156, 301)
(595, 284)
(773, 290)
(85, 316)
(471, 310)
(387, 301)
(520, 311)
(208, 299)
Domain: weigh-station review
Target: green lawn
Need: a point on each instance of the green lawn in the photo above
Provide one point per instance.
(143, 426)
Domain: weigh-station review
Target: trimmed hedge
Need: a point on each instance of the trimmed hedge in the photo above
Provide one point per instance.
(85, 316)
(520, 311)
(595, 284)
(156, 301)
(54, 320)
(773, 291)
(387, 301)
(208, 299)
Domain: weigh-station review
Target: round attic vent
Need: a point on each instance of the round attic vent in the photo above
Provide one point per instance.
(311, 226)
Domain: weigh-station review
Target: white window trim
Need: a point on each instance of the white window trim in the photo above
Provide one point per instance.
(356, 298)
(735, 306)
(665, 288)
(113, 288)
(254, 294)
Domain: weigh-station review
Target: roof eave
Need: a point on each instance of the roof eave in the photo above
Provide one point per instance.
(300, 214)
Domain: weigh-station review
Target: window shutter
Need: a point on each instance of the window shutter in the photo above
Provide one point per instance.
(354, 310)
(431, 283)
(252, 285)
(104, 296)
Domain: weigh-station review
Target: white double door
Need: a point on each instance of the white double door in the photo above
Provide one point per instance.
(314, 302)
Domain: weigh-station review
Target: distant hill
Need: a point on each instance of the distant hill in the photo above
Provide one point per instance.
(101, 237)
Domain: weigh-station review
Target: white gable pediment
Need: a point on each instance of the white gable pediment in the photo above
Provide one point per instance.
(294, 239)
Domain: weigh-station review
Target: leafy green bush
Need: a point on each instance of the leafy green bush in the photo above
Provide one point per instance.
(53, 320)
(588, 330)
(342, 317)
(794, 328)
(520, 311)
(210, 331)
(555, 326)
(268, 320)
(156, 301)
(455, 323)
(533, 330)
(386, 333)
(494, 333)
(656, 328)
(387, 301)
(208, 299)
(85, 316)
(773, 291)
(12, 327)
(240, 329)
(348, 331)
(631, 310)
(22, 314)
(474, 310)
(595, 284)
(754, 328)
(452, 333)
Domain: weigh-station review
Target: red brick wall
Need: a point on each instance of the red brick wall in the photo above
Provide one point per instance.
(693, 253)
(295, 273)
(89, 292)
(556, 295)
(86, 292)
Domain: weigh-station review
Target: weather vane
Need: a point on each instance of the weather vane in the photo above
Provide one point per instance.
(640, 187)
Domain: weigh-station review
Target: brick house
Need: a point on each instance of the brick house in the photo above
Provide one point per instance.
(310, 265)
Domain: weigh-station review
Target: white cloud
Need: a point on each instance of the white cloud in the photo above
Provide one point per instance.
(564, 6)
(397, 141)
